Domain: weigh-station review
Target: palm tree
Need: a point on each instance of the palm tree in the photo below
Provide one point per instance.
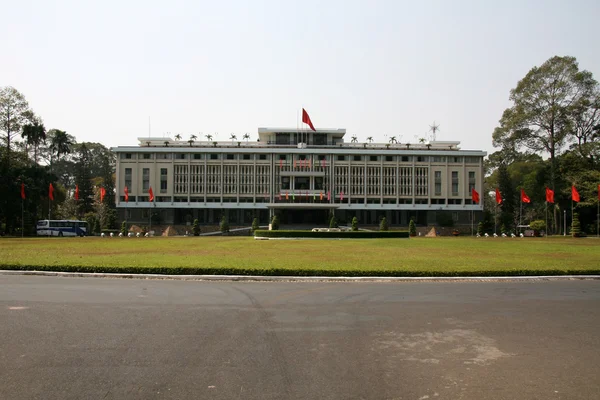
(60, 144)
(233, 137)
(246, 136)
(354, 139)
(422, 140)
(193, 137)
(393, 139)
(35, 134)
(370, 139)
(178, 137)
(208, 137)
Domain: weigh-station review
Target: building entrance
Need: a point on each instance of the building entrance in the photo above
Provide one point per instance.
(316, 217)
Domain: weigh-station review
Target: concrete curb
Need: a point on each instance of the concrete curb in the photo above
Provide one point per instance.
(259, 278)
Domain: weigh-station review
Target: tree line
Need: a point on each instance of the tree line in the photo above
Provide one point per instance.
(548, 139)
(32, 158)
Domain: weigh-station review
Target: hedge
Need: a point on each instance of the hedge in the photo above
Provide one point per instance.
(332, 235)
(295, 271)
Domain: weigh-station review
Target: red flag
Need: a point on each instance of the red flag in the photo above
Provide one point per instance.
(524, 197)
(549, 195)
(102, 194)
(280, 163)
(126, 194)
(23, 191)
(474, 196)
(294, 163)
(76, 192)
(342, 196)
(279, 196)
(306, 119)
(323, 163)
(574, 194)
(321, 196)
(328, 195)
(151, 194)
(51, 192)
(498, 196)
(287, 195)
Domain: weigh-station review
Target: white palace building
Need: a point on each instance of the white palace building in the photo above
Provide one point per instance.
(302, 176)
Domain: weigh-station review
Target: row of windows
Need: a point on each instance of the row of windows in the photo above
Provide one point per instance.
(288, 157)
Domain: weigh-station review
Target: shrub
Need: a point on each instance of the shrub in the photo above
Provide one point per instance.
(412, 228)
(224, 226)
(575, 226)
(124, 228)
(480, 230)
(337, 235)
(383, 225)
(196, 228)
(255, 225)
(354, 224)
(275, 223)
(333, 222)
(537, 226)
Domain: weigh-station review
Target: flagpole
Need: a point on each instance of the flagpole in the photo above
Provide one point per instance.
(471, 222)
(22, 216)
(546, 217)
(496, 218)
(521, 214)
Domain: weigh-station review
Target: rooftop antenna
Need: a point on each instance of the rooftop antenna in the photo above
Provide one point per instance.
(433, 129)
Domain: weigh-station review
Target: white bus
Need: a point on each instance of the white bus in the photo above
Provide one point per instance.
(61, 228)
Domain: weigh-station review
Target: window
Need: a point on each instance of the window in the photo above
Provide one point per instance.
(357, 158)
(246, 156)
(321, 157)
(389, 158)
(471, 181)
(319, 139)
(438, 183)
(341, 158)
(147, 156)
(454, 183)
(231, 156)
(145, 179)
(319, 183)
(422, 158)
(128, 156)
(163, 180)
(455, 160)
(302, 183)
(373, 158)
(285, 182)
(214, 156)
(406, 159)
(128, 178)
(472, 160)
(282, 138)
(439, 159)
(262, 157)
(163, 156)
(180, 156)
(197, 156)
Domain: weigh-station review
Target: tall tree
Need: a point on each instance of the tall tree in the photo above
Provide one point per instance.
(60, 144)
(83, 178)
(541, 116)
(586, 127)
(507, 209)
(14, 113)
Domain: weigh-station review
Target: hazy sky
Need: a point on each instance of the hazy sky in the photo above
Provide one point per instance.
(377, 68)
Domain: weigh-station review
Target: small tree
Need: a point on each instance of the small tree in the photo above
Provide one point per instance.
(224, 225)
(124, 228)
(480, 230)
(333, 222)
(275, 223)
(575, 226)
(196, 228)
(412, 228)
(255, 225)
(383, 225)
(538, 226)
(355, 224)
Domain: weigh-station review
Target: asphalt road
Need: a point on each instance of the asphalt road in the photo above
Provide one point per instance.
(80, 338)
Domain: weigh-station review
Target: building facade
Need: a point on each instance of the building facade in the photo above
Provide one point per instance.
(302, 176)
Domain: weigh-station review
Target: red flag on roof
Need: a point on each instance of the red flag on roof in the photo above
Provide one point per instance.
(23, 191)
(151, 194)
(306, 119)
(126, 194)
(549, 195)
(76, 192)
(474, 196)
(498, 197)
(524, 197)
(51, 192)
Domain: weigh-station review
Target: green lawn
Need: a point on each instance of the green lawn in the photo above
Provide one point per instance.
(244, 255)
